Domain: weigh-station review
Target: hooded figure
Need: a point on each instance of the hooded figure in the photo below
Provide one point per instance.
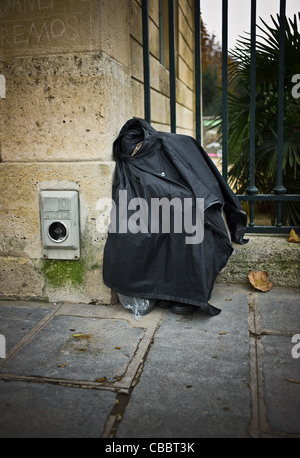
(167, 238)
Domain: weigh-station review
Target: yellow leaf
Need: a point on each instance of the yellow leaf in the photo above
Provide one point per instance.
(81, 336)
(293, 237)
(259, 280)
(104, 379)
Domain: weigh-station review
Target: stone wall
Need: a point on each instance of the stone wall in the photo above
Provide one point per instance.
(68, 92)
(159, 74)
(74, 74)
(273, 254)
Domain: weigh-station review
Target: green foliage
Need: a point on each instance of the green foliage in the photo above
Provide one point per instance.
(211, 59)
(267, 60)
(210, 82)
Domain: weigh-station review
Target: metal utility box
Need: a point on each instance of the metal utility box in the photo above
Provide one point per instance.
(60, 231)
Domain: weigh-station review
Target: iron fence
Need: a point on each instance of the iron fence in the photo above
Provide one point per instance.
(252, 195)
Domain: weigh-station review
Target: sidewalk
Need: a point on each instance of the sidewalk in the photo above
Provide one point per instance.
(94, 371)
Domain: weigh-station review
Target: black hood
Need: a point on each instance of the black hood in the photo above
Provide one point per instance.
(133, 132)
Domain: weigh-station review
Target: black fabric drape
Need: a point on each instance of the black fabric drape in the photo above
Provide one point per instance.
(162, 265)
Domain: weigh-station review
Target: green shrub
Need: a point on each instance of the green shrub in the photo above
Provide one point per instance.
(267, 60)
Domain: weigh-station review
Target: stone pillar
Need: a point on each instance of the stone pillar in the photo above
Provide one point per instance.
(66, 65)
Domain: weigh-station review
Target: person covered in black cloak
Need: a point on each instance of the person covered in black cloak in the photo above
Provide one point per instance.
(146, 258)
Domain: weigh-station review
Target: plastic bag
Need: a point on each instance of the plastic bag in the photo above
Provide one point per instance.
(137, 305)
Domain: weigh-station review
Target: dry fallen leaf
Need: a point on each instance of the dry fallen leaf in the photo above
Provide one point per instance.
(62, 365)
(259, 280)
(81, 336)
(104, 379)
(293, 237)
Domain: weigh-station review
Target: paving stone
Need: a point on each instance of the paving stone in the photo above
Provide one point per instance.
(76, 348)
(195, 382)
(279, 310)
(17, 321)
(281, 376)
(41, 410)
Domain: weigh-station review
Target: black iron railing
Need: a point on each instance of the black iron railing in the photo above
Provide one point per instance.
(252, 195)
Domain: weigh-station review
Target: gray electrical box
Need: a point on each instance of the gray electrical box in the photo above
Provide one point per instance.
(59, 212)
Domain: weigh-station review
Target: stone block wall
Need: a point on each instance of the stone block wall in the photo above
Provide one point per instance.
(66, 64)
(73, 74)
(159, 73)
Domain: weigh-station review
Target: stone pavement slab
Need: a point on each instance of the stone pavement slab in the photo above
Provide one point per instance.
(167, 376)
(17, 320)
(195, 382)
(42, 410)
(274, 322)
(78, 348)
(278, 311)
(281, 377)
(65, 365)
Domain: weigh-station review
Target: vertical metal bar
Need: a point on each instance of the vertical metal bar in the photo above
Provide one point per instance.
(146, 60)
(280, 189)
(225, 89)
(172, 69)
(198, 71)
(252, 189)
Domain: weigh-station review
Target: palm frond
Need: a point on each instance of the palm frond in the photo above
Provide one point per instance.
(266, 137)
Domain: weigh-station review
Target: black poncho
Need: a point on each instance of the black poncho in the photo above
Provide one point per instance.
(150, 261)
